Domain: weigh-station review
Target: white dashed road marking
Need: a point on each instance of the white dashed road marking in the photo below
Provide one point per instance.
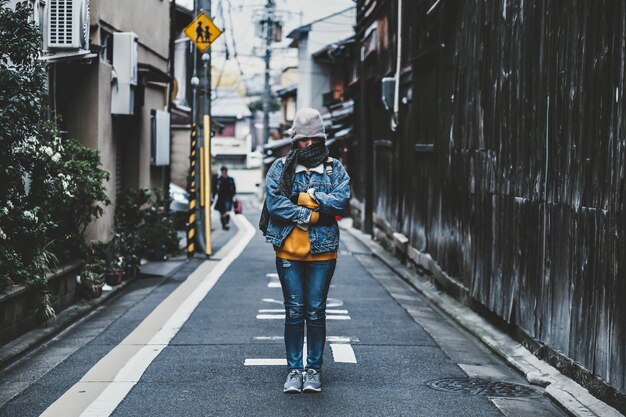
(330, 303)
(333, 302)
(268, 338)
(329, 339)
(272, 300)
(340, 346)
(341, 339)
(282, 310)
(282, 317)
(274, 280)
(341, 349)
(265, 362)
(343, 353)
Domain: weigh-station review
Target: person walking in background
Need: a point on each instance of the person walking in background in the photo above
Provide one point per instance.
(224, 188)
(304, 193)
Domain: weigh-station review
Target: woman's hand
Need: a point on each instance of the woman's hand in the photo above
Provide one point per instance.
(317, 218)
(304, 200)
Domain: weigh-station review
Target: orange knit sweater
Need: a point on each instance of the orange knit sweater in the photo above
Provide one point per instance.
(297, 246)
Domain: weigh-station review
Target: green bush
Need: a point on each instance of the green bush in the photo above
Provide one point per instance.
(144, 227)
(70, 185)
(51, 187)
(158, 234)
(21, 119)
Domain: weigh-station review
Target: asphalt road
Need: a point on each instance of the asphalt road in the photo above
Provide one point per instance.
(387, 343)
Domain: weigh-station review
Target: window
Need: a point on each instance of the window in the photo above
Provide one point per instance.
(228, 131)
(106, 46)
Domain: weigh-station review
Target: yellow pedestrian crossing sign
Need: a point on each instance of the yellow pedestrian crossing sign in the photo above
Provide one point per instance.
(202, 31)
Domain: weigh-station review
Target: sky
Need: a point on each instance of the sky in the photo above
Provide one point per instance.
(241, 34)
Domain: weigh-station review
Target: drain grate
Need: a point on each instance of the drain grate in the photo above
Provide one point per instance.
(483, 387)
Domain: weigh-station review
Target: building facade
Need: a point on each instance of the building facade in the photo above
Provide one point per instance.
(491, 141)
(111, 88)
(313, 77)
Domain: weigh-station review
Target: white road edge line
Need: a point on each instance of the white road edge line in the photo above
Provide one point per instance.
(108, 400)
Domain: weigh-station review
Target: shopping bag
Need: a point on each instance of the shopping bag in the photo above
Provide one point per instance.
(238, 207)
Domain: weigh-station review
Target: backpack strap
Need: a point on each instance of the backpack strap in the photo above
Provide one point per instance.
(328, 165)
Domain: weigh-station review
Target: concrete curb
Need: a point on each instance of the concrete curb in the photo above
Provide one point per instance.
(566, 393)
(19, 347)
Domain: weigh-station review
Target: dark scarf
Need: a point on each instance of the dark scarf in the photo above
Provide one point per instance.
(310, 157)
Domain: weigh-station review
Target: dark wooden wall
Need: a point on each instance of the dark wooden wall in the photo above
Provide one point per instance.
(521, 197)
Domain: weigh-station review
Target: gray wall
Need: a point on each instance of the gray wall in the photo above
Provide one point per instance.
(88, 118)
(149, 19)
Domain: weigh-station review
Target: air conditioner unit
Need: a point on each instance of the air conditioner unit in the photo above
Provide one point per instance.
(125, 57)
(125, 69)
(67, 24)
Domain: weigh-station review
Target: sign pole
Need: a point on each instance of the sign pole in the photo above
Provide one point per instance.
(202, 32)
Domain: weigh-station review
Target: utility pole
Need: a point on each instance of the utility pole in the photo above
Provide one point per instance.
(199, 225)
(269, 26)
(205, 68)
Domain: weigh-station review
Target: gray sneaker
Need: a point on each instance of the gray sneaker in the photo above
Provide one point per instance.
(293, 383)
(312, 381)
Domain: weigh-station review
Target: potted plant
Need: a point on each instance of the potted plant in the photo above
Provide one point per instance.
(92, 278)
(114, 273)
(127, 253)
(107, 255)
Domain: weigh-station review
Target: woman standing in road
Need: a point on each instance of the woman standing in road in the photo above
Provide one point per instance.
(304, 193)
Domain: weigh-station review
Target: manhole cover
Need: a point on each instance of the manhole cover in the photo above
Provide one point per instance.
(483, 387)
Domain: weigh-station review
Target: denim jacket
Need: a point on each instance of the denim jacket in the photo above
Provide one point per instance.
(331, 193)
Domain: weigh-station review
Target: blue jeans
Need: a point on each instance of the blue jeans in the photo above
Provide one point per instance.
(305, 288)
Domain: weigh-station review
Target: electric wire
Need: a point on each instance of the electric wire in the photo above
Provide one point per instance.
(226, 52)
(232, 28)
